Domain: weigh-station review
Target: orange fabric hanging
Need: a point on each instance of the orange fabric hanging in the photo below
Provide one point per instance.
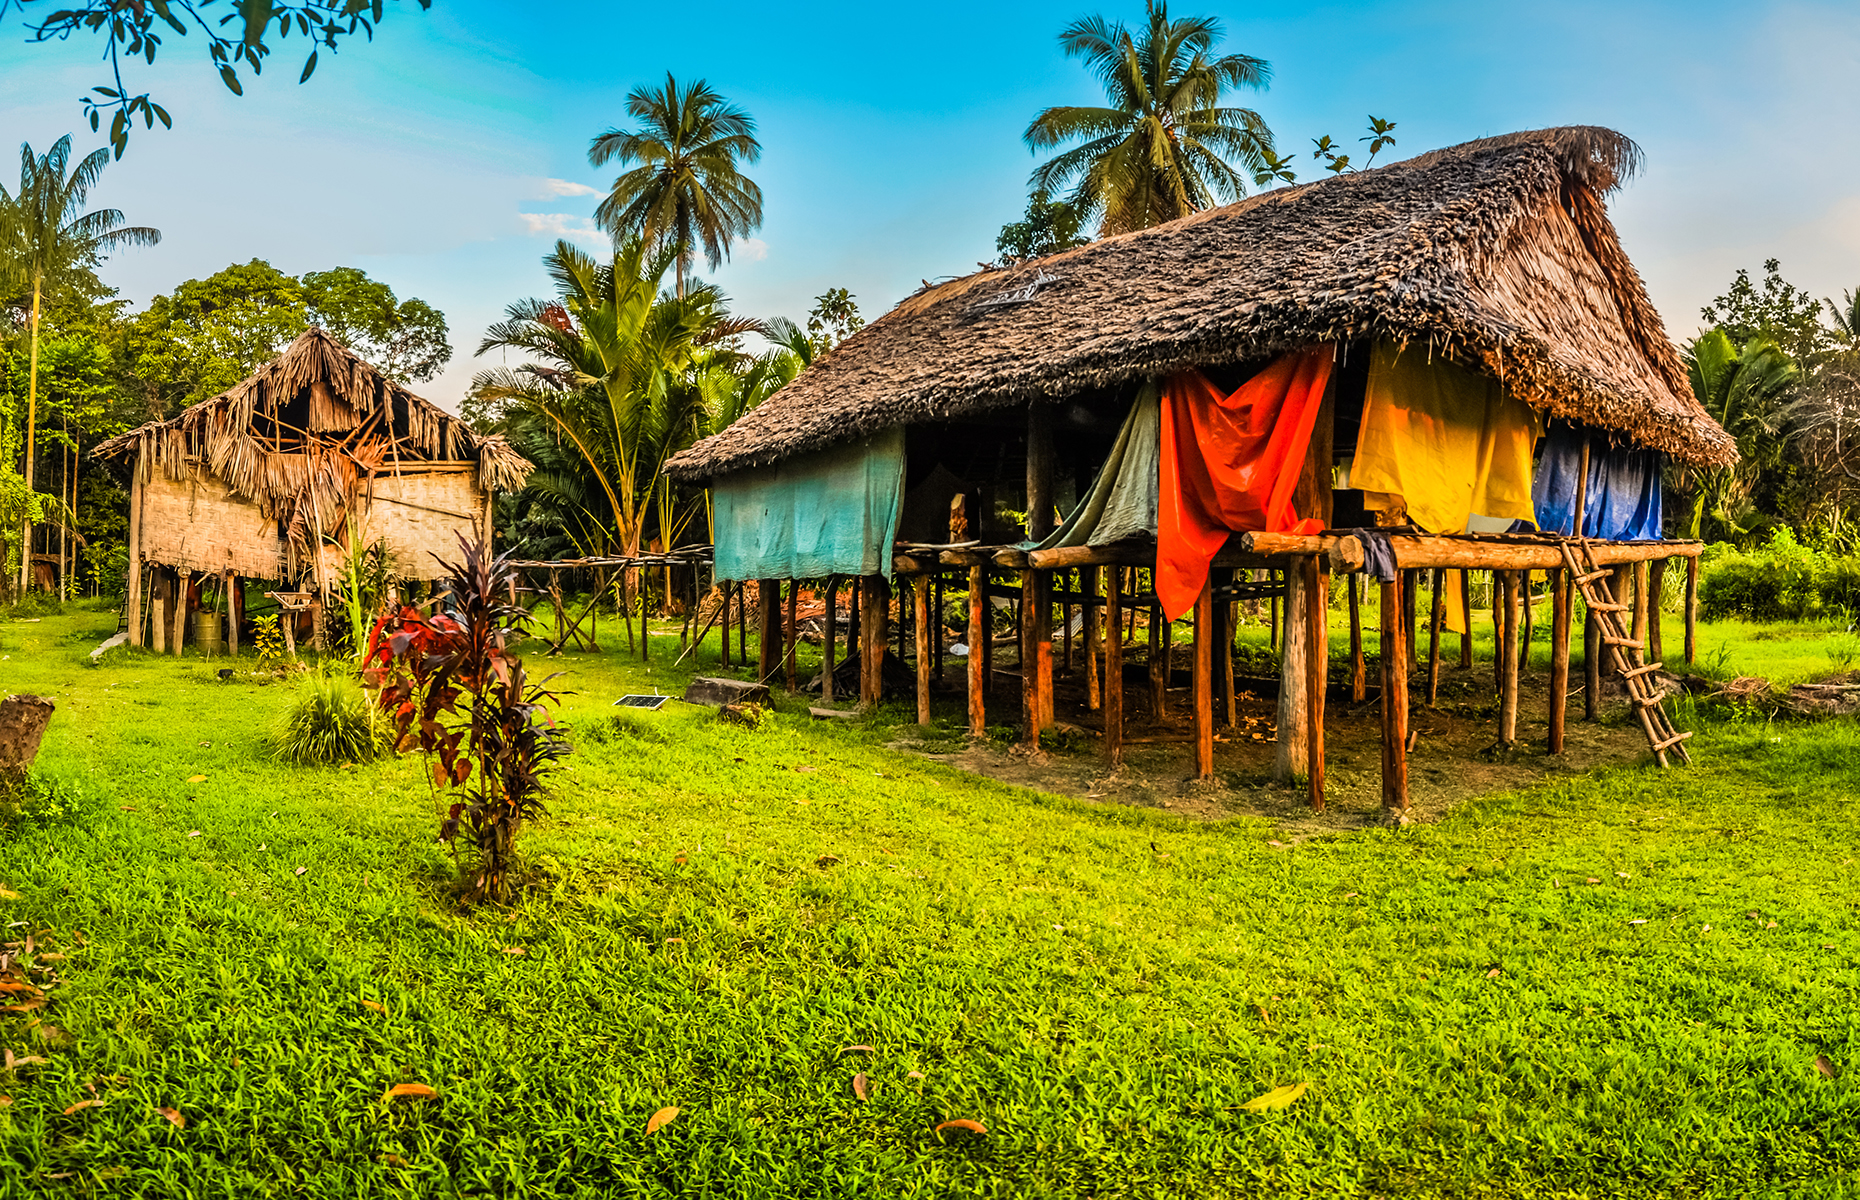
(1230, 464)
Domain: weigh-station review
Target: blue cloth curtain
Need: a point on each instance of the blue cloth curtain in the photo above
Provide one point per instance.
(833, 512)
(1624, 499)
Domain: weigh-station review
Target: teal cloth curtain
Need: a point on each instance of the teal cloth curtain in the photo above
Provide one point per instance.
(833, 512)
(1122, 500)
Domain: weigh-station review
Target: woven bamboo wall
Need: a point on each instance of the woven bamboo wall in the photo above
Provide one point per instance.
(201, 526)
(420, 513)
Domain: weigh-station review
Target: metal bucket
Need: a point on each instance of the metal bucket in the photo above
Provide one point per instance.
(207, 633)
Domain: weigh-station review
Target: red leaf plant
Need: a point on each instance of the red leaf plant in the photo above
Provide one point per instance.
(455, 691)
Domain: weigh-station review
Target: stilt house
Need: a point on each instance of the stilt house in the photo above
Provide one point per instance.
(1451, 352)
(275, 478)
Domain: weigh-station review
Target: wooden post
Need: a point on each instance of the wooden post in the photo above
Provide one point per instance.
(1498, 631)
(827, 646)
(645, 602)
(1435, 617)
(1291, 758)
(1411, 615)
(1094, 629)
(1394, 702)
(1039, 471)
(978, 652)
(1559, 658)
(1641, 576)
(1114, 666)
(1656, 583)
(1591, 666)
(936, 622)
(1159, 662)
(1065, 626)
(1036, 654)
(230, 589)
(742, 622)
(158, 601)
(1524, 647)
(790, 636)
(1466, 635)
(1204, 681)
(1223, 653)
(1317, 662)
(768, 628)
(988, 636)
(1272, 615)
(875, 603)
(1692, 609)
(135, 549)
(1508, 657)
(920, 596)
(1359, 671)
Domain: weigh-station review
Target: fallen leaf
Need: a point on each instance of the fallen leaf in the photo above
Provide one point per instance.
(1771, 925)
(5, 1100)
(1638, 921)
(807, 770)
(1591, 880)
(83, 1104)
(174, 1117)
(660, 1120)
(862, 1049)
(859, 1086)
(301, 870)
(1275, 843)
(827, 860)
(132, 808)
(1278, 1097)
(1494, 973)
(376, 1005)
(962, 1123)
(418, 1091)
(30, 1060)
(395, 1160)
(262, 846)
(674, 941)
(196, 779)
(1622, 875)
(193, 833)
(518, 950)
(914, 1075)
(679, 861)
(1824, 1066)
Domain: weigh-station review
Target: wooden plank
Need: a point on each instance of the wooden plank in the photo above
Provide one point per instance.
(1204, 683)
(920, 596)
(1114, 667)
(1317, 662)
(978, 651)
(1394, 702)
(1559, 659)
(1422, 551)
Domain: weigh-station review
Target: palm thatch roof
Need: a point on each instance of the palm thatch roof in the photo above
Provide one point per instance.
(304, 434)
(1497, 254)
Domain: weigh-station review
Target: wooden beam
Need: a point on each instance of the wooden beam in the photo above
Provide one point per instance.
(1114, 667)
(1428, 550)
(1317, 663)
(768, 628)
(1394, 703)
(1043, 645)
(1204, 682)
(1508, 674)
(1559, 658)
(978, 651)
(920, 597)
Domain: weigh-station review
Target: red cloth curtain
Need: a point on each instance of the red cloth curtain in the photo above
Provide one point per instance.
(1230, 464)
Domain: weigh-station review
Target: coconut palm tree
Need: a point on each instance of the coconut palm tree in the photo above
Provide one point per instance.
(46, 235)
(687, 188)
(1162, 145)
(1744, 389)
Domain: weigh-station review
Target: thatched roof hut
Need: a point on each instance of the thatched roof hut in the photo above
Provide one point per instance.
(312, 445)
(1498, 254)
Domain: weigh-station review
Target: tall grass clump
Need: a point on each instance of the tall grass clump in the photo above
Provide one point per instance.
(331, 721)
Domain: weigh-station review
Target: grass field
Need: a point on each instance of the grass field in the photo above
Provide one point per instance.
(1617, 985)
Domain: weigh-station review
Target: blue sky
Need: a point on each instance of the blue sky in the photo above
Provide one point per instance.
(446, 156)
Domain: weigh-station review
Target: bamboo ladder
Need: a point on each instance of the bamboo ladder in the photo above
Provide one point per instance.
(1590, 579)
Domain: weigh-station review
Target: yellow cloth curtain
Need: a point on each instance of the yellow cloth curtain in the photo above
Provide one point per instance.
(1445, 444)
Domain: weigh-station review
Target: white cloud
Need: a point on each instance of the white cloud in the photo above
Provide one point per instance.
(560, 225)
(751, 250)
(563, 187)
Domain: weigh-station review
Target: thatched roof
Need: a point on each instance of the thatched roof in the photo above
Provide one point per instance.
(1498, 253)
(304, 434)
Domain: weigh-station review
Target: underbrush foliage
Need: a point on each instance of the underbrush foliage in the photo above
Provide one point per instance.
(453, 689)
(1781, 581)
(330, 722)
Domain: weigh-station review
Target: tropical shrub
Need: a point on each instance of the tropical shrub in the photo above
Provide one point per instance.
(330, 722)
(1783, 580)
(451, 688)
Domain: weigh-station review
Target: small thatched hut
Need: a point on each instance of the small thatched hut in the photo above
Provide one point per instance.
(1465, 327)
(275, 477)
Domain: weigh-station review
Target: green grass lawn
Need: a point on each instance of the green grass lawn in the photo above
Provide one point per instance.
(1613, 985)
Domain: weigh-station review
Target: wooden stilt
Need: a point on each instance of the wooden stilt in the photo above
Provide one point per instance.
(790, 635)
(1030, 717)
(1272, 617)
(920, 594)
(229, 584)
(1094, 623)
(1204, 682)
(988, 634)
(978, 652)
(1359, 671)
(1411, 615)
(158, 601)
(1291, 757)
(1530, 614)
(1043, 646)
(1466, 634)
(936, 622)
(1559, 658)
(875, 603)
(645, 603)
(1641, 576)
(1498, 631)
(827, 645)
(1317, 662)
(1065, 629)
(1436, 615)
(1394, 702)
(134, 585)
(1223, 641)
(768, 628)
(742, 622)
(1159, 662)
(1692, 609)
(1656, 582)
(1508, 657)
(183, 593)
(1114, 667)
(1591, 665)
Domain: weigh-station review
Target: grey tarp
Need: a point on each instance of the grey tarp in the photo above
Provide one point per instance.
(833, 512)
(1122, 500)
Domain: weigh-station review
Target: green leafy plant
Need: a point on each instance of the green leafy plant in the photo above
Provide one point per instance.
(330, 722)
(453, 690)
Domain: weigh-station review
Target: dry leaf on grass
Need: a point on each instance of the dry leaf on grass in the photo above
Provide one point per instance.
(193, 833)
(1278, 1097)
(660, 1120)
(393, 1160)
(174, 1117)
(1494, 973)
(5, 1100)
(1824, 1066)
(859, 1049)
(516, 950)
(376, 1005)
(962, 1123)
(83, 1104)
(301, 870)
(859, 1087)
(196, 779)
(7, 893)
(417, 1091)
